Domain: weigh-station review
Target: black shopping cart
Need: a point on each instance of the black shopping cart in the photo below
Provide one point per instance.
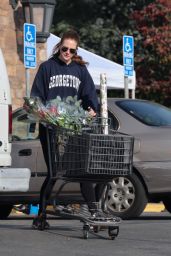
(87, 156)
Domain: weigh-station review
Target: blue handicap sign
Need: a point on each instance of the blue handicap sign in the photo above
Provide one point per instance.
(128, 70)
(128, 55)
(29, 45)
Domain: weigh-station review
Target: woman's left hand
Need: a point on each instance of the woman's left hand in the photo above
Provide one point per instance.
(91, 112)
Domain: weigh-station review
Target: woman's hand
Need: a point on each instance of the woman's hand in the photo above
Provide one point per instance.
(26, 107)
(91, 112)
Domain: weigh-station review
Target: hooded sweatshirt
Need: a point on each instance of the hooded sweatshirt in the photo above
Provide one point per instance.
(56, 78)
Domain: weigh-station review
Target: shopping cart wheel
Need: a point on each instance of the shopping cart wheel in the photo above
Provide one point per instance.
(113, 232)
(86, 229)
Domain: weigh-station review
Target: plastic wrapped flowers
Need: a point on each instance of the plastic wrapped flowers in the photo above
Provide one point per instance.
(66, 113)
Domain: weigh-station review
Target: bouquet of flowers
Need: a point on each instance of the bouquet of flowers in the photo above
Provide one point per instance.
(66, 113)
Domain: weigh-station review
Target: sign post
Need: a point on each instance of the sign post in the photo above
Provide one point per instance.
(128, 60)
(29, 52)
(103, 103)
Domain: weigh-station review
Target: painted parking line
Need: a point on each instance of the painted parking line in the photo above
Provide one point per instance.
(159, 207)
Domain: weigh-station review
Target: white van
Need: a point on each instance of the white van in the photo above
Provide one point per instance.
(11, 179)
(5, 116)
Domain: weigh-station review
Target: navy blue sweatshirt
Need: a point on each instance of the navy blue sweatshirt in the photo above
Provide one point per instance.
(56, 78)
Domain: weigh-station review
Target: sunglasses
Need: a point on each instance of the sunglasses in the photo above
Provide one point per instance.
(65, 49)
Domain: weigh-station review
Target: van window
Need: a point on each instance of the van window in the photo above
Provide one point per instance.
(114, 124)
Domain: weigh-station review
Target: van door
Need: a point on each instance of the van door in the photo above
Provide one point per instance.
(5, 115)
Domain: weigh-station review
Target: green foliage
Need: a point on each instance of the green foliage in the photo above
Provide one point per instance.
(102, 24)
(67, 113)
(153, 52)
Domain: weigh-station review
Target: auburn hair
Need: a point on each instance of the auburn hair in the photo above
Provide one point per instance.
(71, 34)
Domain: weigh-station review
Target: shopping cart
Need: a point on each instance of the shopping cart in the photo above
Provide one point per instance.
(87, 156)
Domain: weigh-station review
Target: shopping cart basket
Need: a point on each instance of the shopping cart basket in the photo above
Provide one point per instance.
(91, 153)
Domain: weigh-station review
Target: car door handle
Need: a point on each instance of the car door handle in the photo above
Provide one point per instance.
(25, 152)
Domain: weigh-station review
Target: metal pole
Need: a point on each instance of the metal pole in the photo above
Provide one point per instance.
(103, 102)
(27, 73)
(133, 93)
(126, 87)
(27, 77)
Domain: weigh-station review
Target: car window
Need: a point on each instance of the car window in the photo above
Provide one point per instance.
(147, 112)
(114, 124)
(21, 128)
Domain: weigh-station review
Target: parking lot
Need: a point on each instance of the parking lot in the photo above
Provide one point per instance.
(147, 235)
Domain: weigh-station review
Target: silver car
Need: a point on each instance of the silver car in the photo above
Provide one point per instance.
(148, 122)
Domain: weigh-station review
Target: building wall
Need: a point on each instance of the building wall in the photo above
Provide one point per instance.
(11, 43)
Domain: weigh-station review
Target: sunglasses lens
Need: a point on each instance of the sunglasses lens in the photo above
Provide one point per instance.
(72, 51)
(65, 49)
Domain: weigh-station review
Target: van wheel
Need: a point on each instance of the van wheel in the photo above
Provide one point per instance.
(5, 210)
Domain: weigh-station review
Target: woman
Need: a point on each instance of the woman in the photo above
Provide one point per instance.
(65, 74)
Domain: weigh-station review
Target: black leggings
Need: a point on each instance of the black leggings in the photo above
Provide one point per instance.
(90, 192)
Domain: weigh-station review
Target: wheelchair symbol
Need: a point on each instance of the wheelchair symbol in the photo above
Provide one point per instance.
(29, 36)
(127, 46)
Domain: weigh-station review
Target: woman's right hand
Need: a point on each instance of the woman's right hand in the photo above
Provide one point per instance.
(91, 112)
(25, 106)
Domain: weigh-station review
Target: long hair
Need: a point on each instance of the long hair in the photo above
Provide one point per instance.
(71, 34)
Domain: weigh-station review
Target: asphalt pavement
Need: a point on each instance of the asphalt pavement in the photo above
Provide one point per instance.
(148, 235)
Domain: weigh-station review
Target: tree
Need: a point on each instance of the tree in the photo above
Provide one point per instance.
(153, 50)
(101, 23)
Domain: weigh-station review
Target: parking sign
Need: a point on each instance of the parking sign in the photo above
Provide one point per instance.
(128, 55)
(29, 45)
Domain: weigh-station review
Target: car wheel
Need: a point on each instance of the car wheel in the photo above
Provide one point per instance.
(167, 203)
(126, 197)
(5, 210)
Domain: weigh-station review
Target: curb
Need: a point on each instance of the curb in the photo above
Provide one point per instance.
(151, 207)
(158, 207)
(14, 212)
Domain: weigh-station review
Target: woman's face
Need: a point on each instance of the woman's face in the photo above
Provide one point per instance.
(67, 50)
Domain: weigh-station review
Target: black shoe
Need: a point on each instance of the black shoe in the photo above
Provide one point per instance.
(84, 210)
(99, 215)
(111, 216)
(40, 223)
